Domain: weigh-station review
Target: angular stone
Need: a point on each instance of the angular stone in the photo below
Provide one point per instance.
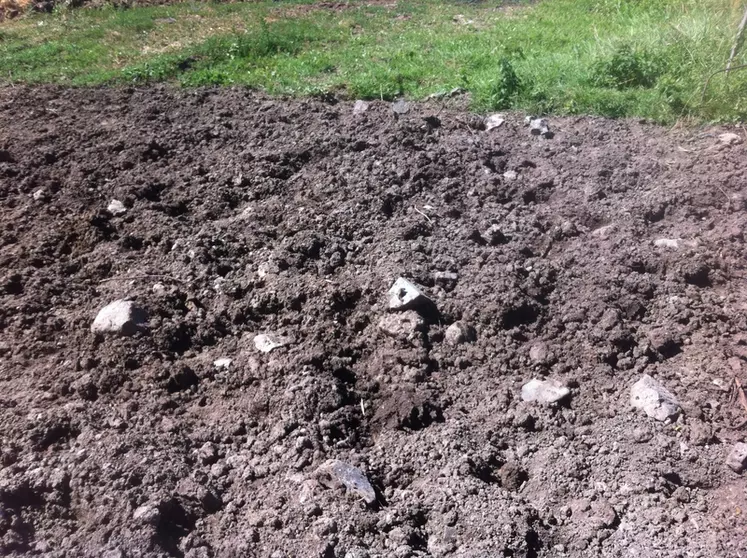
(402, 325)
(222, 363)
(672, 243)
(654, 399)
(737, 459)
(544, 391)
(401, 107)
(121, 317)
(116, 207)
(350, 477)
(405, 295)
(729, 138)
(268, 342)
(494, 121)
(360, 107)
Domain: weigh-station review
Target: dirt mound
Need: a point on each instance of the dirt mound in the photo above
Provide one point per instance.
(261, 379)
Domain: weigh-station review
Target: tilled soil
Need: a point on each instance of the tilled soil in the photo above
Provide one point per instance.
(250, 216)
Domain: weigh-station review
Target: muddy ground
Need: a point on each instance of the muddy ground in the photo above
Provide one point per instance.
(249, 216)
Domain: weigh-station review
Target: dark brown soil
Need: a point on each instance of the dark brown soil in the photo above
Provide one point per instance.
(250, 216)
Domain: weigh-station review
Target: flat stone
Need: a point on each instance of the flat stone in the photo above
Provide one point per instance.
(405, 295)
(351, 478)
(360, 107)
(730, 138)
(268, 342)
(737, 458)
(148, 514)
(494, 121)
(222, 363)
(40, 195)
(672, 243)
(122, 317)
(402, 325)
(654, 399)
(401, 107)
(544, 391)
(460, 332)
(116, 207)
(510, 175)
(540, 127)
(446, 279)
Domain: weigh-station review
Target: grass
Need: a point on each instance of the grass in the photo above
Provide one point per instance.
(620, 58)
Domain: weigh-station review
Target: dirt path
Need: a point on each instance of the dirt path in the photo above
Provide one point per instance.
(612, 251)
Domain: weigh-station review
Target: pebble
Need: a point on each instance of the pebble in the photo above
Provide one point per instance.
(405, 295)
(494, 121)
(360, 107)
(401, 107)
(654, 399)
(729, 138)
(544, 391)
(267, 342)
(121, 317)
(737, 459)
(403, 325)
(40, 195)
(116, 207)
(350, 477)
(510, 175)
(148, 514)
(673, 243)
(460, 332)
(540, 127)
(222, 363)
(494, 236)
(446, 279)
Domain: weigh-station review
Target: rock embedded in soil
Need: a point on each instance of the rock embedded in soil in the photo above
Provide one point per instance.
(116, 207)
(737, 458)
(654, 399)
(401, 107)
(672, 243)
(122, 317)
(360, 107)
(147, 514)
(350, 477)
(222, 363)
(729, 138)
(405, 295)
(540, 127)
(402, 325)
(544, 391)
(460, 332)
(268, 342)
(494, 121)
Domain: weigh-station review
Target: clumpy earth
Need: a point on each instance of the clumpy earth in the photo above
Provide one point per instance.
(612, 251)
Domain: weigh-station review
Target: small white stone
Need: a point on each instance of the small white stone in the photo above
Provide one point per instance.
(267, 342)
(159, 288)
(459, 332)
(147, 514)
(494, 121)
(544, 391)
(510, 175)
(222, 363)
(116, 207)
(39, 195)
(120, 316)
(673, 243)
(360, 107)
(737, 459)
(654, 399)
(404, 295)
(729, 138)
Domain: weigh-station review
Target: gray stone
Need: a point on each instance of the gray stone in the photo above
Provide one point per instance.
(653, 399)
(405, 295)
(402, 325)
(401, 107)
(544, 391)
(40, 195)
(268, 342)
(350, 477)
(459, 332)
(122, 317)
(729, 138)
(737, 458)
(147, 514)
(494, 121)
(116, 207)
(510, 175)
(360, 107)
(672, 243)
(222, 363)
(540, 127)
(446, 279)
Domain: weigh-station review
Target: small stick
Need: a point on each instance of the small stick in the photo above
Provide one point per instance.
(423, 214)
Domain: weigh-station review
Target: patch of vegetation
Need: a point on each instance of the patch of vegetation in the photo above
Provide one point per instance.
(648, 58)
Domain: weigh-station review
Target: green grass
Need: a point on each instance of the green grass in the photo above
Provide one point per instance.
(635, 58)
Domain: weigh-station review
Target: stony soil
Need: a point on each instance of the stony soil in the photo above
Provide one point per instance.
(251, 216)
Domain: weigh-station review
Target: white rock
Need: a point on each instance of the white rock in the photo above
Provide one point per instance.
(459, 332)
(267, 342)
(350, 477)
(39, 195)
(360, 107)
(159, 288)
(667, 243)
(147, 514)
(654, 399)
(222, 363)
(494, 121)
(729, 138)
(116, 207)
(510, 175)
(605, 231)
(121, 316)
(737, 459)
(544, 391)
(402, 325)
(404, 295)
(540, 127)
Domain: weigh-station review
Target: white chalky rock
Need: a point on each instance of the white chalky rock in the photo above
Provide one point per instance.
(39, 195)
(654, 399)
(730, 138)
(222, 363)
(116, 207)
(121, 316)
(266, 343)
(667, 243)
(510, 175)
(737, 459)
(149, 515)
(460, 332)
(544, 391)
(494, 121)
(404, 295)
(360, 107)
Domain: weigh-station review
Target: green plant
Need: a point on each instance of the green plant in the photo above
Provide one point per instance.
(626, 67)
